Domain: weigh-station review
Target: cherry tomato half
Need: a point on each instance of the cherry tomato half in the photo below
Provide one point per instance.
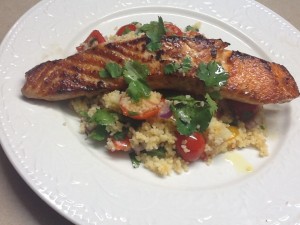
(94, 36)
(172, 29)
(191, 148)
(121, 145)
(144, 113)
(125, 29)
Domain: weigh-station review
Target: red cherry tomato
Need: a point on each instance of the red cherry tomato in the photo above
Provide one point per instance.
(94, 37)
(191, 148)
(125, 29)
(152, 110)
(172, 29)
(243, 111)
(121, 145)
(141, 115)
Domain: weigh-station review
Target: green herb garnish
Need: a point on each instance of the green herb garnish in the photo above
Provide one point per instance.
(154, 31)
(191, 115)
(173, 67)
(121, 135)
(137, 90)
(212, 104)
(99, 133)
(135, 75)
(186, 64)
(134, 161)
(104, 73)
(213, 74)
(160, 152)
(112, 69)
(191, 28)
(104, 117)
(134, 70)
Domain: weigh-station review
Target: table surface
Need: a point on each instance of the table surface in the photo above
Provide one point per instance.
(18, 203)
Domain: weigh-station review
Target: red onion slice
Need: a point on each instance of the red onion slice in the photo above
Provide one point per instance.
(165, 111)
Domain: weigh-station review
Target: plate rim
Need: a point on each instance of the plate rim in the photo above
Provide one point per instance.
(6, 146)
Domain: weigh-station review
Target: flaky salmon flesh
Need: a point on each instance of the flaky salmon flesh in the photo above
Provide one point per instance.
(251, 80)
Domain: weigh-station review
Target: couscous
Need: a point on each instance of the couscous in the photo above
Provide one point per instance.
(152, 142)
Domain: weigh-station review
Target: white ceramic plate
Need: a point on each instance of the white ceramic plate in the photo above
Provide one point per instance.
(87, 185)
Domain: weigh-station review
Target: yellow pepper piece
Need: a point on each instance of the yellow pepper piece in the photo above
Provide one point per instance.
(235, 132)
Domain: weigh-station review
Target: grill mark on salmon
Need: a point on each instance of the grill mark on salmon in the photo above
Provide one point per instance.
(251, 80)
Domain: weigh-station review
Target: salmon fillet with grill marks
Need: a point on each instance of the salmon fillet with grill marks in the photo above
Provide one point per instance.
(251, 80)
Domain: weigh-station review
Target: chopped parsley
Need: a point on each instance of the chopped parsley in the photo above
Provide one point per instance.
(154, 31)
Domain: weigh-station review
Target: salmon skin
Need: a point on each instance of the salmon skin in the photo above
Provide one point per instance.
(251, 80)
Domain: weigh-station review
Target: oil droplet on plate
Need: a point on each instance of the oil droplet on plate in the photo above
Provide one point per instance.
(238, 162)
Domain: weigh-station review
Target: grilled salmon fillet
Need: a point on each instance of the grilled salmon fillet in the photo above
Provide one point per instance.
(251, 80)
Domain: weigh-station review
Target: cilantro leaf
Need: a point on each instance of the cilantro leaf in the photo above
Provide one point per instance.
(215, 95)
(134, 71)
(114, 69)
(186, 64)
(99, 133)
(104, 73)
(213, 74)
(174, 67)
(191, 115)
(111, 69)
(138, 89)
(183, 116)
(103, 117)
(154, 31)
(171, 68)
(189, 119)
(212, 104)
(153, 46)
(134, 161)
(121, 135)
(135, 75)
(160, 152)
